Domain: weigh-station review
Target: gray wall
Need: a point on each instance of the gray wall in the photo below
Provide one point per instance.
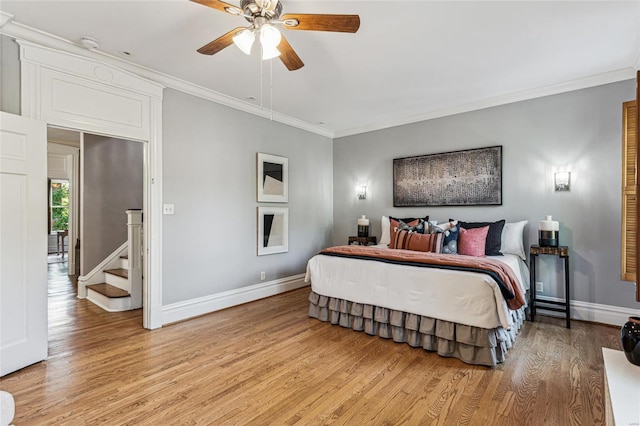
(9, 76)
(112, 184)
(578, 131)
(209, 173)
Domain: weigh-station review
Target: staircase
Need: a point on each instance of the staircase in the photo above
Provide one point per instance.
(116, 283)
(111, 294)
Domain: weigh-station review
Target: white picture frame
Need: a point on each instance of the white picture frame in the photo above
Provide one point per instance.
(273, 178)
(273, 230)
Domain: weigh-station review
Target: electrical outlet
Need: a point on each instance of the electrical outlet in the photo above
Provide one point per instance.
(539, 286)
(263, 275)
(168, 209)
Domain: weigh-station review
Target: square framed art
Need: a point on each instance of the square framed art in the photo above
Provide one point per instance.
(273, 178)
(273, 230)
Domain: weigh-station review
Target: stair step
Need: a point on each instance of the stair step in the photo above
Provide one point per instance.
(108, 290)
(119, 272)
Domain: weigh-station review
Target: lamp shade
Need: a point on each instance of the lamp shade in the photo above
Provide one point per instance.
(244, 40)
(270, 37)
(269, 52)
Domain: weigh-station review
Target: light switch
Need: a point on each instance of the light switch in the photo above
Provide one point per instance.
(168, 209)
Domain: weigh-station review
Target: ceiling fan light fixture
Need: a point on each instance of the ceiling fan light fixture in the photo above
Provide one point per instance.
(244, 40)
(269, 53)
(270, 37)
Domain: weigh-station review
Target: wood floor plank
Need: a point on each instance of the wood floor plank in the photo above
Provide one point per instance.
(266, 362)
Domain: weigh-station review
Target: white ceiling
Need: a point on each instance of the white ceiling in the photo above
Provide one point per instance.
(409, 61)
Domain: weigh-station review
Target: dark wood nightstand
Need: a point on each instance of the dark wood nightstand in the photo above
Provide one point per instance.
(363, 241)
(534, 303)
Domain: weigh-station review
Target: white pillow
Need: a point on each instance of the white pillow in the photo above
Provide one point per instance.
(385, 238)
(512, 242)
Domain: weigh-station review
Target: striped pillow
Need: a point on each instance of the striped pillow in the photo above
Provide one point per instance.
(417, 242)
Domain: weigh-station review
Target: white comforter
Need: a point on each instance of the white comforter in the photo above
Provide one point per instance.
(463, 297)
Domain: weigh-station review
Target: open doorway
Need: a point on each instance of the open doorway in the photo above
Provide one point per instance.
(87, 211)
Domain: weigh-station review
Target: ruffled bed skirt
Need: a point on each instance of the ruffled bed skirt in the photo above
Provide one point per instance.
(472, 345)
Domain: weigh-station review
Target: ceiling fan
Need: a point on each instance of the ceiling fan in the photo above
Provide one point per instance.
(264, 15)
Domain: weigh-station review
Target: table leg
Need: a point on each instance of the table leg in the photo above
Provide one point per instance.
(566, 291)
(532, 287)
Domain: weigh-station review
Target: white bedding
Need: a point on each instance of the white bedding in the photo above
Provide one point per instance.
(463, 297)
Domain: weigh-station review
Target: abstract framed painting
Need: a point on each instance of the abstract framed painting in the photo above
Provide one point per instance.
(273, 178)
(273, 230)
(472, 177)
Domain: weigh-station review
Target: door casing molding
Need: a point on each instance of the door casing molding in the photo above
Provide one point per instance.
(74, 92)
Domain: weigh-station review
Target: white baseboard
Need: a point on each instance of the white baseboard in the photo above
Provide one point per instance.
(215, 302)
(585, 311)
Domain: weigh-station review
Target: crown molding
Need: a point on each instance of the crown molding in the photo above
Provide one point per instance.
(23, 33)
(5, 18)
(583, 83)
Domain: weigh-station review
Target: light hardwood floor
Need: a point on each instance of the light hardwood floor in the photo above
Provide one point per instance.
(267, 363)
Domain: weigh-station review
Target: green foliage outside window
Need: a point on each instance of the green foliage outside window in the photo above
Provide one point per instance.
(59, 206)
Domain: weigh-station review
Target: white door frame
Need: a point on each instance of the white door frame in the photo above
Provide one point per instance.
(71, 91)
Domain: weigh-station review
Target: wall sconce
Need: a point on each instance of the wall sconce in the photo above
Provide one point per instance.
(361, 191)
(562, 181)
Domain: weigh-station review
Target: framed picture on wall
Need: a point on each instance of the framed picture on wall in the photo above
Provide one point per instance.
(273, 178)
(472, 177)
(273, 230)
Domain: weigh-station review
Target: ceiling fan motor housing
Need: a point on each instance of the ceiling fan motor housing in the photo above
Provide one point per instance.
(270, 9)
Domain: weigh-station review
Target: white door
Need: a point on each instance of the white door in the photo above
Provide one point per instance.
(23, 242)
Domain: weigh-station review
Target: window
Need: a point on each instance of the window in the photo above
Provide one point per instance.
(59, 202)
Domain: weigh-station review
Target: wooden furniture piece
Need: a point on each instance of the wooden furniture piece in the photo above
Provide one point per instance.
(60, 240)
(621, 380)
(535, 303)
(629, 211)
(363, 241)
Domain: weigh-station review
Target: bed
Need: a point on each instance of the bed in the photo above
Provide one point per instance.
(452, 311)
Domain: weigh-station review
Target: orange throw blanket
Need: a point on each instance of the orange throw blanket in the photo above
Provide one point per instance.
(509, 285)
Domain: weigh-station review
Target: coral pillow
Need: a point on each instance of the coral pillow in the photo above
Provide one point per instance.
(399, 225)
(494, 236)
(417, 242)
(472, 242)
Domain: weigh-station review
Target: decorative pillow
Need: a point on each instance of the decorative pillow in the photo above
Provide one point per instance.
(450, 231)
(472, 242)
(416, 225)
(494, 237)
(417, 242)
(385, 238)
(420, 228)
(512, 242)
(409, 222)
(386, 225)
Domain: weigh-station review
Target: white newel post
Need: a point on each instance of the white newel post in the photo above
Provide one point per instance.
(134, 227)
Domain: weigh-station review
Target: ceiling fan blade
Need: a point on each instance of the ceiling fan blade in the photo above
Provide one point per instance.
(221, 6)
(288, 56)
(220, 43)
(312, 22)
